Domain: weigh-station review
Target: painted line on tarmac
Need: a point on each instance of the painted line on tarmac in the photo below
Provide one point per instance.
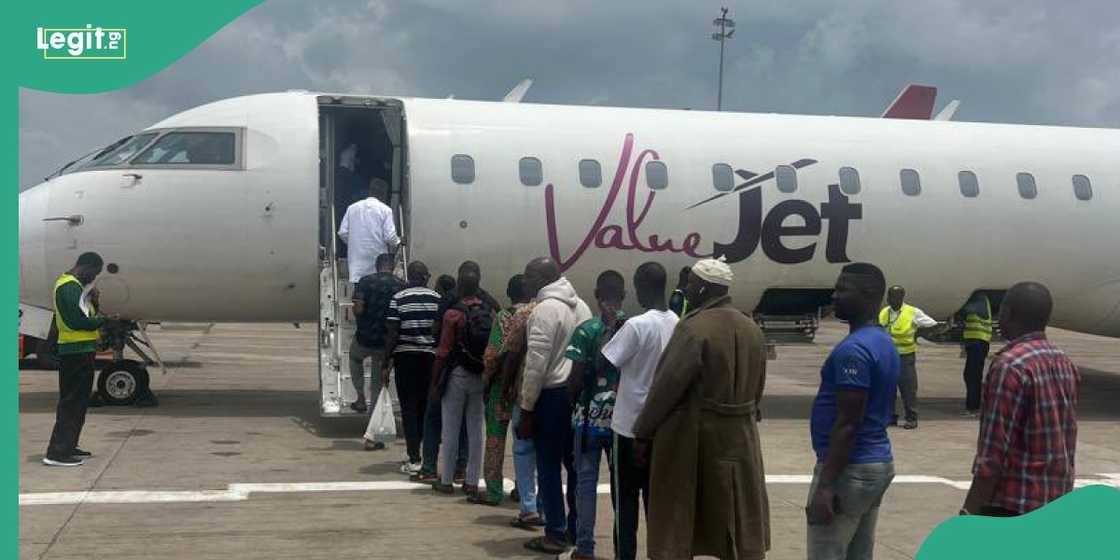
(241, 492)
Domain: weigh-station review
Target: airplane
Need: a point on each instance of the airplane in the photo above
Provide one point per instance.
(226, 212)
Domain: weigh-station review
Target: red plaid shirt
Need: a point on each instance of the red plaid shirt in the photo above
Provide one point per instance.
(1028, 424)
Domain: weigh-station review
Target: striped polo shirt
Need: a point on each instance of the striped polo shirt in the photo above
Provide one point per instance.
(416, 309)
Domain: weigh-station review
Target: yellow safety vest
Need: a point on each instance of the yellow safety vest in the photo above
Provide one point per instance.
(902, 330)
(977, 327)
(66, 335)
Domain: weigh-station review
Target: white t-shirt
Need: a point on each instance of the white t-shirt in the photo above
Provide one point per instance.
(635, 350)
(368, 230)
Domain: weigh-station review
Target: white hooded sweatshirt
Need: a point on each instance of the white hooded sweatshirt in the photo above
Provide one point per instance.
(557, 314)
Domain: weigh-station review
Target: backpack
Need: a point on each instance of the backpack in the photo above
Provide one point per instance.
(475, 335)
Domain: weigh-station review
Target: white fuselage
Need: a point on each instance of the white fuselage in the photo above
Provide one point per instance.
(242, 245)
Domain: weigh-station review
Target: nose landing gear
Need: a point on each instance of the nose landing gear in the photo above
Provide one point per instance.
(124, 382)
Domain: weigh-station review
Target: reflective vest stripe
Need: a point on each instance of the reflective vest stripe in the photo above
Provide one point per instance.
(902, 330)
(66, 335)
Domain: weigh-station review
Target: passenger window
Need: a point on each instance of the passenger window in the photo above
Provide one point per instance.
(531, 173)
(1027, 187)
(786, 177)
(657, 175)
(590, 173)
(970, 186)
(191, 148)
(723, 177)
(849, 180)
(123, 151)
(1082, 188)
(911, 183)
(462, 169)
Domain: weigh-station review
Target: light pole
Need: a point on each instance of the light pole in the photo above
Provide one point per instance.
(726, 29)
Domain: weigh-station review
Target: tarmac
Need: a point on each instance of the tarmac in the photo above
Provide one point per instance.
(237, 463)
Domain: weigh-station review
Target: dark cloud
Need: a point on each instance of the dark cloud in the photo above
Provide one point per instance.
(1024, 61)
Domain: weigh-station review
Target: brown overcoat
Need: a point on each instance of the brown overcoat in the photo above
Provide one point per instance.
(707, 484)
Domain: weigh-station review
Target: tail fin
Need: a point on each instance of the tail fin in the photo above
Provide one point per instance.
(913, 102)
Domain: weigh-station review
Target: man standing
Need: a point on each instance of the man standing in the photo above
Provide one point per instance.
(977, 315)
(545, 409)
(368, 230)
(903, 321)
(410, 345)
(593, 384)
(855, 464)
(635, 350)
(1028, 426)
(707, 481)
(371, 307)
(77, 321)
(678, 303)
(465, 332)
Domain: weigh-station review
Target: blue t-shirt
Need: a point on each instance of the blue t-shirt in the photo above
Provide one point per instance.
(867, 360)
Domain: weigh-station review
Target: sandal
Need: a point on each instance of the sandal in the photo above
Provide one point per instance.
(481, 499)
(546, 545)
(529, 523)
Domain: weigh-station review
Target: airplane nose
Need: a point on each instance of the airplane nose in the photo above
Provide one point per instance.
(33, 288)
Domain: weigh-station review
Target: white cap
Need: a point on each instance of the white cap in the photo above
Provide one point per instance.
(714, 271)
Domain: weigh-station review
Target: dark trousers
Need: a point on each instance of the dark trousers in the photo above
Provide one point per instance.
(414, 376)
(908, 387)
(553, 438)
(975, 353)
(75, 382)
(631, 483)
(433, 429)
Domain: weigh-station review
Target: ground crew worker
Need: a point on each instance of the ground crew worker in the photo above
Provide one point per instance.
(977, 315)
(902, 321)
(77, 321)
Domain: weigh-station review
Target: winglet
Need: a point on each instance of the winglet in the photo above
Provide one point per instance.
(949, 111)
(913, 102)
(518, 91)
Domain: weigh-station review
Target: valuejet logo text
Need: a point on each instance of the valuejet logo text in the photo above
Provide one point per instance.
(88, 43)
(770, 230)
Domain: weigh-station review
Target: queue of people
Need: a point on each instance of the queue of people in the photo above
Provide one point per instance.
(671, 402)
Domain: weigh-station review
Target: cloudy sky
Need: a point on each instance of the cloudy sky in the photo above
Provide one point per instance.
(1019, 61)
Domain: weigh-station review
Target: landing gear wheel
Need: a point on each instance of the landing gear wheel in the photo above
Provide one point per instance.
(122, 382)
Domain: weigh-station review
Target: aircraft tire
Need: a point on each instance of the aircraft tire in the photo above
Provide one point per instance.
(121, 382)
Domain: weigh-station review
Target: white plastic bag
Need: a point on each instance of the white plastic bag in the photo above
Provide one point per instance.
(382, 424)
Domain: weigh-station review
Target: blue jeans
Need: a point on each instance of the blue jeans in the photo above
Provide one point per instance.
(524, 467)
(859, 491)
(588, 452)
(553, 438)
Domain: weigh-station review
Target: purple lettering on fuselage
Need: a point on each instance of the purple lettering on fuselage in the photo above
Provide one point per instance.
(754, 229)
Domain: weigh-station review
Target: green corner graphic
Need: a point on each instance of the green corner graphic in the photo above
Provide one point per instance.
(1081, 525)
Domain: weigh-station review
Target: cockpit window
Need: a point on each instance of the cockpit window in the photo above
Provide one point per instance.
(193, 148)
(120, 152)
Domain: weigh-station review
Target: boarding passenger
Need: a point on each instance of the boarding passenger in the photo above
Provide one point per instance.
(545, 409)
(593, 384)
(497, 383)
(368, 230)
(410, 345)
(1028, 421)
(635, 350)
(903, 321)
(77, 322)
(371, 307)
(465, 332)
(706, 465)
(849, 422)
(677, 302)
